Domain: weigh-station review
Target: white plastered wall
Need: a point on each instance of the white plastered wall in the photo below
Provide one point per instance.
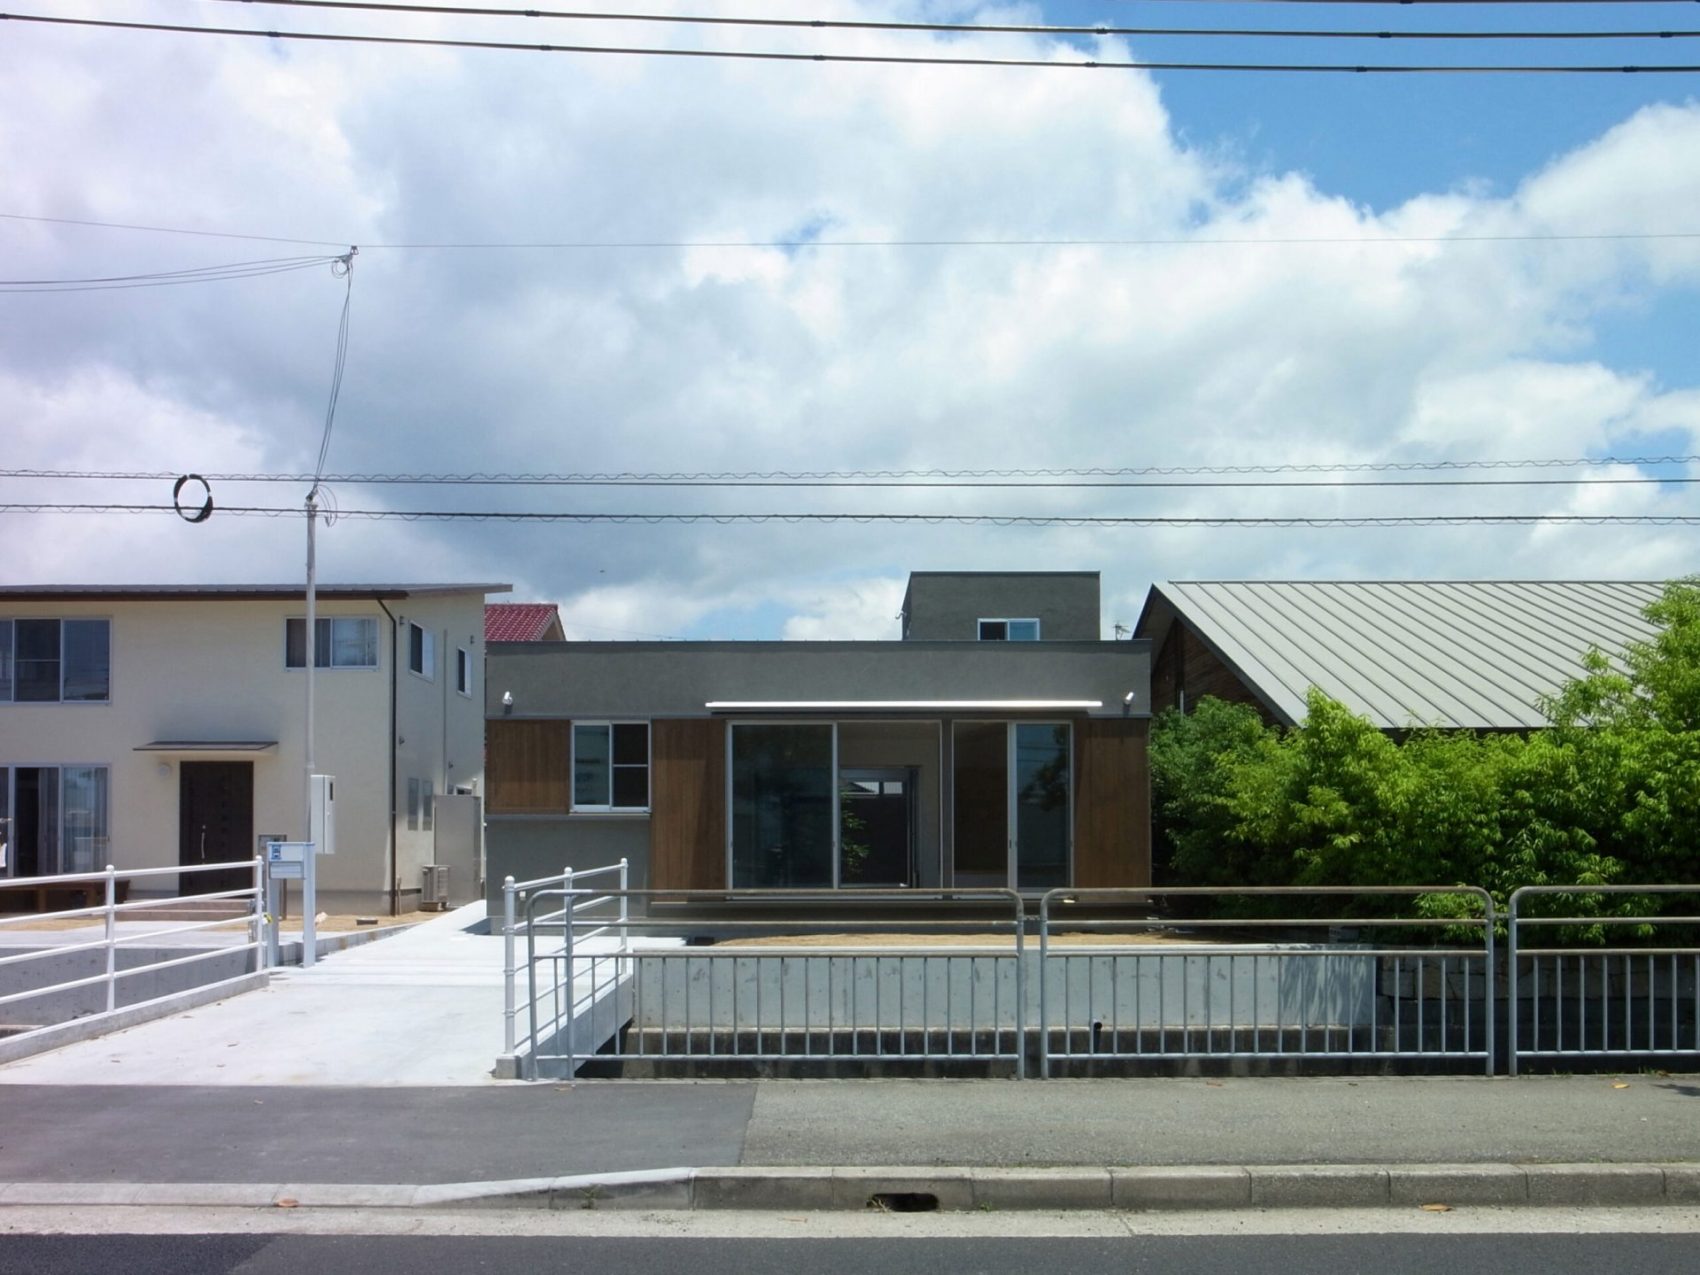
(214, 670)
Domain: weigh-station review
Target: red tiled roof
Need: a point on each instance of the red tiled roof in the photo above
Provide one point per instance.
(518, 621)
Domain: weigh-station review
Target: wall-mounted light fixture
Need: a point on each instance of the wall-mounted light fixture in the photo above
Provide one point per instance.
(507, 702)
(1127, 703)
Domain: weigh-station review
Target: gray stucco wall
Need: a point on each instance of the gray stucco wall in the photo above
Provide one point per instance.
(948, 605)
(677, 679)
(530, 846)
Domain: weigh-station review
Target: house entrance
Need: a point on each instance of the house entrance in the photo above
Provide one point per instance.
(215, 822)
(876, 841)
(1013, 815)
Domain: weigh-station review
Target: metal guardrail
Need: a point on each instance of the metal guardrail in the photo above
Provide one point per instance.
(1645, 1000)
(1153, 1001)
(110, 911)
(801, 1004)
(563, 884)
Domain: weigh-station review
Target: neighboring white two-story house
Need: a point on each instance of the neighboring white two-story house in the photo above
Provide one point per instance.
(150, 726)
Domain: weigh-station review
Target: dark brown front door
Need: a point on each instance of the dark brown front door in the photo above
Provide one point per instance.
(216, 823)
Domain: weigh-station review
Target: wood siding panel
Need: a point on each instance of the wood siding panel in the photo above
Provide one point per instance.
(1112, 796)
(687, 826)
(1186, 665)
(527, 766)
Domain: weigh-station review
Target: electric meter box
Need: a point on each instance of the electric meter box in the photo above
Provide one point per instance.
(321, 829)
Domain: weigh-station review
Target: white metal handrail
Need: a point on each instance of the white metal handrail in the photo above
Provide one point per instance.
(511, 892)
(110, 911)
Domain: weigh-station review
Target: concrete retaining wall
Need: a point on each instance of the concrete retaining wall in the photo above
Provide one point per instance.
(62, 1006)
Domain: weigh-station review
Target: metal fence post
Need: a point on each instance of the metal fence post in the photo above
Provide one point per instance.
(508, 970)
(111, 938)
(1044, 1005)
(1490, 998)
(1021, 989)
(256, 915)
(567, 907)
(1511, 987)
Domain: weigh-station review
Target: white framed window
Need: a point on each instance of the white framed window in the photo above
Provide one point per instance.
(463, 671)
(1004, 629)
(339, 641)
(422, 651)
(610, 766)
(55, 661)
(54, 819)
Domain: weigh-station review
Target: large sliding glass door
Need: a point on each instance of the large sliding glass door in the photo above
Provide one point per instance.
(1013, 814)
(53, 819)
(1040, 797)
(784, 808)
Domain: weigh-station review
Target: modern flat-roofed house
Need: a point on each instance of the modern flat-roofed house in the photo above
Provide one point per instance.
(1000, 743)
(157, 725)
(1456, 654)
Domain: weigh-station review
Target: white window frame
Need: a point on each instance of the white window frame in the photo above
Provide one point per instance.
(427, 651)
(463, 671)
(371, 621)
(9, 779)
(12, 660)
(1006, 621)
(608, 724)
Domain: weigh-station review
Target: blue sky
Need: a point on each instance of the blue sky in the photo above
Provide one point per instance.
(1379, 347)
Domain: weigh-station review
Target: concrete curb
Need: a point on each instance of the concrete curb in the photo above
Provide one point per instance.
(901, 1189)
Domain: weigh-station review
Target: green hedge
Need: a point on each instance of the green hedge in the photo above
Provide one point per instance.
(1609, 793)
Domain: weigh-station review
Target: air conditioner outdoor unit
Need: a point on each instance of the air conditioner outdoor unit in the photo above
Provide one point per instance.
(435, 894)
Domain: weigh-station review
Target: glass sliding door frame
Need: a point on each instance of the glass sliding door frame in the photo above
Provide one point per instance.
(1012, 799)
(837, 882)
(64, 835)
(732, 796)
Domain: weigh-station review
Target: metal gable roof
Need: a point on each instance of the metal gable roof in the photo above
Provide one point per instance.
(1472, 654)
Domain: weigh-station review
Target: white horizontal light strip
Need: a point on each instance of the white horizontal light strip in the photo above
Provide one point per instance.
(821, 705)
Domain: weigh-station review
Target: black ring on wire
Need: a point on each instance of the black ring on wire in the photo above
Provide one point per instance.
(196, 515)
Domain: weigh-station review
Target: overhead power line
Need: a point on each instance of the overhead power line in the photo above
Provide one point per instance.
(1242, 241)
(168, 278)
(780, 477)
(951, 28)
(935, 519)
(859, 59)
(958, 484)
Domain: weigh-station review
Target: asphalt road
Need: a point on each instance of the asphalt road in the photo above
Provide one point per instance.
(162, 1133)
(114, 1133)
(1400, 1254)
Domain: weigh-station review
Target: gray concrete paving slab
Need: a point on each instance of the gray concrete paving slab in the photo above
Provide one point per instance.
(1282, 1120)
(422, 1007)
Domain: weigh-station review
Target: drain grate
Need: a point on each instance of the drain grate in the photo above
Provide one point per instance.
(904, 1202)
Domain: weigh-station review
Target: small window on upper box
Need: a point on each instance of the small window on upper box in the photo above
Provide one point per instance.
(463, 670)
(1006, 630)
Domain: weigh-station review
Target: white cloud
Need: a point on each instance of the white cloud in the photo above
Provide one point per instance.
(755, 359)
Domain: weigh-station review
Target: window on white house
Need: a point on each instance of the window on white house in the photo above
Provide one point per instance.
(610, 765)
(422, 651)
(413, 805)
(341, 641)
(54, 819)
(463, 670)
(55, 661)
(425, 799)
(1006, 630)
